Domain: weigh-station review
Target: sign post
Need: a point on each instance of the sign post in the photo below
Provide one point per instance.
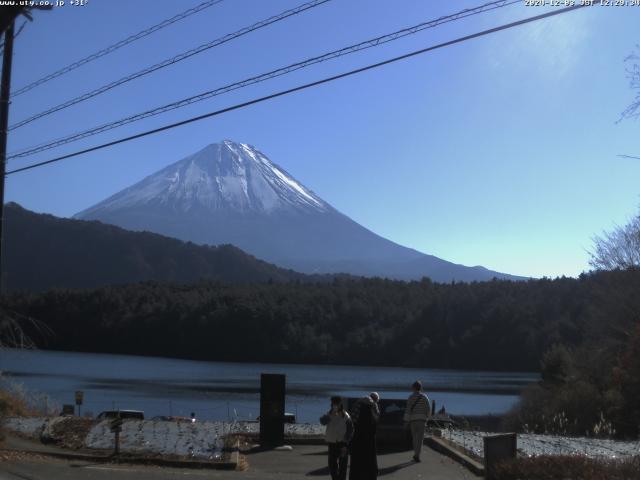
(79, 397)
(116, 428)
(272, 390)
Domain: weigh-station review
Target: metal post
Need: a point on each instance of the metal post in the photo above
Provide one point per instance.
(116, 428)
(117, 449)
(5, 90)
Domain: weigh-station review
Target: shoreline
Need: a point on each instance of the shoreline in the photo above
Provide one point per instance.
(268, 363)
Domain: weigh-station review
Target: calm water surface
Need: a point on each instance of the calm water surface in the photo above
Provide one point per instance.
(220, 390)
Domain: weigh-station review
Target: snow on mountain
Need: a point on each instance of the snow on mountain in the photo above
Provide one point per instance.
(221, 176)
(232, 193)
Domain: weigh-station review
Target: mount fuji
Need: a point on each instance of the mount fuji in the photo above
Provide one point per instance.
(232, 193)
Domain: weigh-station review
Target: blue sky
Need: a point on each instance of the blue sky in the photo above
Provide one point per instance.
(501, 151)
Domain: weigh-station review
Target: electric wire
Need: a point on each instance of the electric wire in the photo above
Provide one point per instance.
(301, 87)
(112, 48)
(171, 61)
(262, 77)
(14, 36)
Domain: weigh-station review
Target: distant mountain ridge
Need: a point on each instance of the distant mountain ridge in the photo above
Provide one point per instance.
(42, 252)
(231, 193)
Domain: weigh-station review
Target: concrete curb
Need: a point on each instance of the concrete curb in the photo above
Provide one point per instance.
(304, 441)
(62, 455)
(232, 464)
(441, 446)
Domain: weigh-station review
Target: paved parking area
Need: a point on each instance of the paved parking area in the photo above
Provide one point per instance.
(303, 462)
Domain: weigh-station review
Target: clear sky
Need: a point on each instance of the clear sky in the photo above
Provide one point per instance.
(501, 151)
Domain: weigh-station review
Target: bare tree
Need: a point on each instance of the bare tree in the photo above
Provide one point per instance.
(618, 249)
(12, 329)
(633, 74)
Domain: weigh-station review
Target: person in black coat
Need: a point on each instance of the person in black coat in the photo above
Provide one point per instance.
(365, 415)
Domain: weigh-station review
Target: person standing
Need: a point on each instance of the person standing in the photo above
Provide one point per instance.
(415, 417)
(365, 415)
(338, 435)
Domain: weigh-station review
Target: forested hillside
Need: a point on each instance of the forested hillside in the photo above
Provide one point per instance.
(42, 251)
(499, 325)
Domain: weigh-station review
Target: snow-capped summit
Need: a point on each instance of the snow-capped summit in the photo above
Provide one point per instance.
(231, 192)
(222, 176)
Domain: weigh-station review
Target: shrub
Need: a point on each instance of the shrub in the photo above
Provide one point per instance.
(10, 404)
(14, 404)
(568, 467)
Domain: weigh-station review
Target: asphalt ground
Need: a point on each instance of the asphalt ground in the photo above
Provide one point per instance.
(302, 462)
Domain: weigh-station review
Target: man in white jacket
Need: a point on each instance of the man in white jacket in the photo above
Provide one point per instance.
(415, 417)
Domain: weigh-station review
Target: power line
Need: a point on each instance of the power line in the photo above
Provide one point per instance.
(14, 37)
(264, 77)
(301, 87)
(116, 46)
(171, 61)
(20, 29)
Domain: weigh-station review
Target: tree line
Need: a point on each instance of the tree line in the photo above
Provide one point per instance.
(496, 325)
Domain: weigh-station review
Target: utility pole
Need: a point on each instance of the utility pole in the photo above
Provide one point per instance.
(7, 18)
(5, 89)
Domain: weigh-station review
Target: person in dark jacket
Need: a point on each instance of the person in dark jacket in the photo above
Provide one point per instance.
(365, 415)
(338, 435)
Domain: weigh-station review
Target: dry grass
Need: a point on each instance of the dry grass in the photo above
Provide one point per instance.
(12, 404)
(15, 456)
(569, 467)
(16, 401)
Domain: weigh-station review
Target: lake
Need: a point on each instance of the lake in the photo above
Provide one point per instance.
(222, 390)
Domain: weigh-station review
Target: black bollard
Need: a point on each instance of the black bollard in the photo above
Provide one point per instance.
(498, 448)
(272, 391)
